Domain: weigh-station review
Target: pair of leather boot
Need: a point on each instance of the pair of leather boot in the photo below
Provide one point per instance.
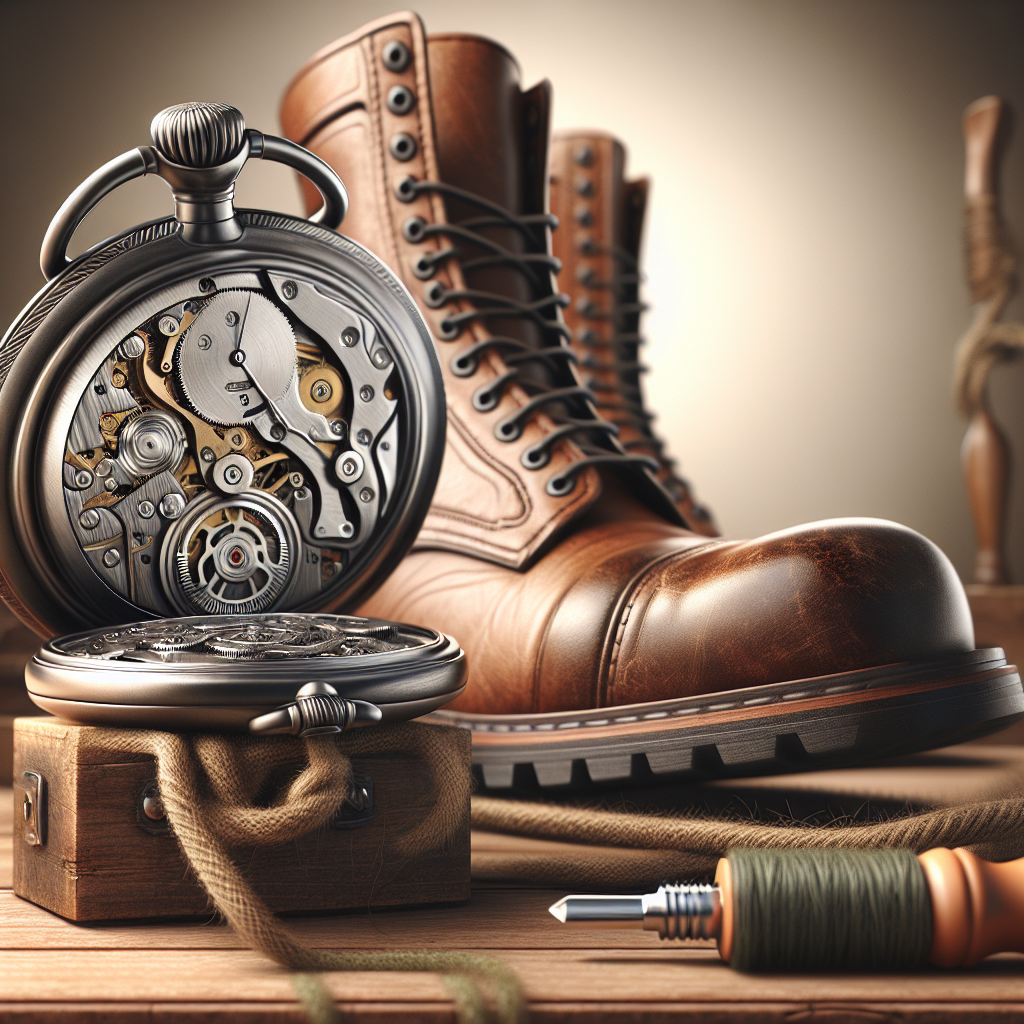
(610, 635)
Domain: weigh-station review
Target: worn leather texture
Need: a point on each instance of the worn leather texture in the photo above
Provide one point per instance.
(489, 137)
(600, 597)
(601, 221)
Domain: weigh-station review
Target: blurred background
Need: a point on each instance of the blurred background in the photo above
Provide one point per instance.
(804, 252)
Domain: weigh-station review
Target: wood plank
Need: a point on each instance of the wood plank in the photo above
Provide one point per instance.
(577, 976)
(540, 1013)
(493, 919)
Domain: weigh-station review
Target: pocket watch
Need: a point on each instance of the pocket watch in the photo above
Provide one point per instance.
(211, 418)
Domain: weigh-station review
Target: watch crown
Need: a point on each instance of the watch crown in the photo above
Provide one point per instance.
(198, 134)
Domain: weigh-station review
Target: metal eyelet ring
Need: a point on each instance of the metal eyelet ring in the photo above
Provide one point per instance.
(424, 267)
(560, 485)
(434, 294)
(402, 146)
(413, 230)
(405, 190)
(485, 399)
(585, 275)
(583, 215)
(537, 456)
(400, 99)
(585, 336)
(448, 331)
(584, 186)
(586, 308)
(587, 246)
(395, 56)
(464, 365)
(583, 155)
(508, 431)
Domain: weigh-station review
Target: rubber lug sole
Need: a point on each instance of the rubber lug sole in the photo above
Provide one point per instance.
(808, 724)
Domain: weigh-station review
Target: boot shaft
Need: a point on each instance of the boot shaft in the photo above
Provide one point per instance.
(601, 216)
(408, 123)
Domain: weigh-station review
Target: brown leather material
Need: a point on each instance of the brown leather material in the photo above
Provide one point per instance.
(598, 598)
(486, 504)
(601, 218)
(631, 612)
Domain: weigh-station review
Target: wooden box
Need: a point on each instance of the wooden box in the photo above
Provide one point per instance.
(87, 851)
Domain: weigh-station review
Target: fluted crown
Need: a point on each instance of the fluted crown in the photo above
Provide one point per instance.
(198, 134)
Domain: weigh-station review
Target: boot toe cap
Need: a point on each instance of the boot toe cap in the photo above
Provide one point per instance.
(814, 600)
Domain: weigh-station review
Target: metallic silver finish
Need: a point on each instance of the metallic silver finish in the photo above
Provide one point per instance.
(132, 347)
(34, 808)
(151, 443)
(219, 389)
(316, 711)
(203, 193)
(674, 911)
(171, 505)
(349, 466)
(201, 672)
(53, 255)
(86, 385)
(232, 474)
(232, 555)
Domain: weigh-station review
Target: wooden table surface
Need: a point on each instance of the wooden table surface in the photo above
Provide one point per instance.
(193, 971)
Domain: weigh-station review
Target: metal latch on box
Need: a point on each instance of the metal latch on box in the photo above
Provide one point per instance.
(34, 807)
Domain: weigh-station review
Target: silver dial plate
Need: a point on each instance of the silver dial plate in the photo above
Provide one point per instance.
(235, 449)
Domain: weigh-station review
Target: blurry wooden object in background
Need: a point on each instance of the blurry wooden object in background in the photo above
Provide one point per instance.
(992, 274)
(997, 607)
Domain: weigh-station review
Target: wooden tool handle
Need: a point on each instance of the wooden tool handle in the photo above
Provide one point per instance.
(977, 906)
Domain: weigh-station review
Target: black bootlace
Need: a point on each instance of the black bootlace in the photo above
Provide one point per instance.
(621, 401)
(566, 402)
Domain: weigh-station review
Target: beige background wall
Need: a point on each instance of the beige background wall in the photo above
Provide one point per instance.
(804, 254)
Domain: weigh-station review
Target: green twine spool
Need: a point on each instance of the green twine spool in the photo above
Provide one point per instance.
(827, 910)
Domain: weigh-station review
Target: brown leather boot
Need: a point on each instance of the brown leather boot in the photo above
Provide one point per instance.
(601, 217)
(605, 641)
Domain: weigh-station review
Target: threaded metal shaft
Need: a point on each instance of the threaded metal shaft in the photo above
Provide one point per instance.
(684, 912)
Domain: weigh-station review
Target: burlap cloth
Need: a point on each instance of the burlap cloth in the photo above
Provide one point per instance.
(214, 793)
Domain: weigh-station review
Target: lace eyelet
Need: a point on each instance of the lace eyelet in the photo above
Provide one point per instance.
(448, 331)
(464, 365)
(586, 308)
(486, 399)
(402, 146)
(560, 484)
(585, 336)
(405, 190)
(401, 100)
(537, 456)
(413, 230)
(508, 431)
(424, 267)
(396, 56)
(434, 294)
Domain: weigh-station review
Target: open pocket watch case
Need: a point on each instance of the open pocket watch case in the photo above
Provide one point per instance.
(230, 419)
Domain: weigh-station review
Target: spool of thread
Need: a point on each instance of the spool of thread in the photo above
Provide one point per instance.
(828, 910)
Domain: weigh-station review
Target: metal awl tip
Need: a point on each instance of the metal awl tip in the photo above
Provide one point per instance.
(599, 911)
